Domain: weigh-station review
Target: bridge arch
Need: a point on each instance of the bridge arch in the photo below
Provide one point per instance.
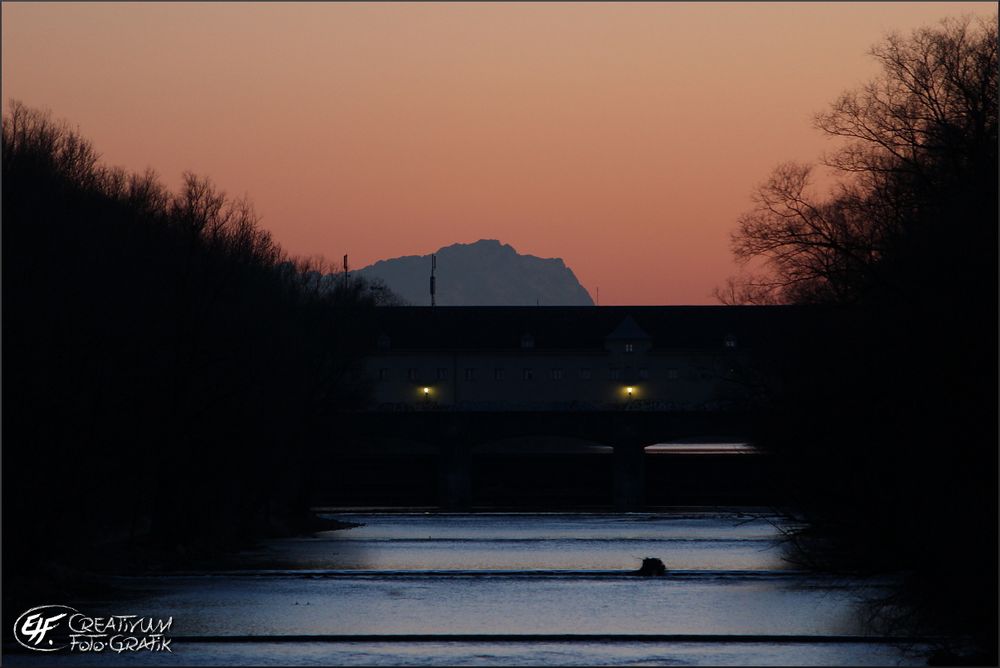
(467, 458)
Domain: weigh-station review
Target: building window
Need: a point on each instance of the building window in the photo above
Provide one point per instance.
(557, 374)
(643, 373)
(614, 373)
(630, 347)
(585, 374)
(383, 342)
(527, 341)
(672, 374)
(730, 341)
(528, 374)
(383, 374)
(411, 374)
(498, 374)
(442, 373)
(470, 374)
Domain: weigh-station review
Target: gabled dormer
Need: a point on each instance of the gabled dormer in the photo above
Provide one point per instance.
(628, 338)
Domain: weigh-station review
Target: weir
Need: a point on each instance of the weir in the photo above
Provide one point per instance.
(447, 384)
(458, 459)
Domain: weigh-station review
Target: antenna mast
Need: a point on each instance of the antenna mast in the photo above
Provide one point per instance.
(433, 267)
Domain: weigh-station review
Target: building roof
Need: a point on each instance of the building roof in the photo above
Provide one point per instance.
(497, 328)
(628, 330)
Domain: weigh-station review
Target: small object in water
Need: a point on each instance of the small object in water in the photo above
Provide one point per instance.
(652, 566)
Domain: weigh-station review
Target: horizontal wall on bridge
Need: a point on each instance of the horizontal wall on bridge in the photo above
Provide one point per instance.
(544, 481)
(470, 429)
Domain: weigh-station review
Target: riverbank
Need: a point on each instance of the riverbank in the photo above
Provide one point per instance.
(931, 598)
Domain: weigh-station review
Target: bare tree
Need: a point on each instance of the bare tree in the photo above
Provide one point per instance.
(918, 171)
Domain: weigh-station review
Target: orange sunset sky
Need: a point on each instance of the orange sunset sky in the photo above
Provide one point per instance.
(625, 138)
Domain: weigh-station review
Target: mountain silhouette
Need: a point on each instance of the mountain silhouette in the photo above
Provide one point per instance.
(483, 273)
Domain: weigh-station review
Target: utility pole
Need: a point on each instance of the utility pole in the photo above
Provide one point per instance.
(433, 267)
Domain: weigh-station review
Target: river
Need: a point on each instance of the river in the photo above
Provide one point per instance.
(510, 589)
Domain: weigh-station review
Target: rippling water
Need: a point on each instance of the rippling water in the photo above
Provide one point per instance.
(520, 589)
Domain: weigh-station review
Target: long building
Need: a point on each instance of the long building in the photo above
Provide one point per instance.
(568, 358)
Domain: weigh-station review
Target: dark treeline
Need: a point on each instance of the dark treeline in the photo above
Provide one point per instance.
(164, 362)
(886, 416)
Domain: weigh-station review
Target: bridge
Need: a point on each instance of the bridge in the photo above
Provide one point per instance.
(501, 405)
(454, 439)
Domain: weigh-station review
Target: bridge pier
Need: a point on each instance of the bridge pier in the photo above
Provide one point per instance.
(629, 477)
(455, 477)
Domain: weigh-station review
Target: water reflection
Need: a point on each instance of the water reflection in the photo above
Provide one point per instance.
(417, 577)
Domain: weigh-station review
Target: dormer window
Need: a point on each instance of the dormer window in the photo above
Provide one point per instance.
(527, 341)
(383, 342)
(729, 341)
(628, 337)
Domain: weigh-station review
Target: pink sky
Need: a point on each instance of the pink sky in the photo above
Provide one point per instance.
(624, 138)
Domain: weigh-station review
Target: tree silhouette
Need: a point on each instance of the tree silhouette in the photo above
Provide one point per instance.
(172, 365)
(918, 171)
(885, 415)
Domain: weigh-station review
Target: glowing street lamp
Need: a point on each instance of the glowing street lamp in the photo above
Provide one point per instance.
(629, 390)
(427, 392)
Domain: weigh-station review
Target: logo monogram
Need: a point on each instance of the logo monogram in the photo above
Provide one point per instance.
(50, 628)
(31, 627)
